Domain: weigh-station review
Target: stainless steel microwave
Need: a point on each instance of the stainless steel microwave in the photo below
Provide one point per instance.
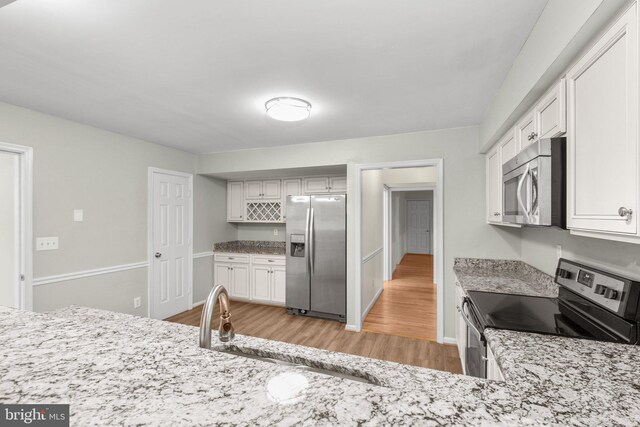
(534, 185)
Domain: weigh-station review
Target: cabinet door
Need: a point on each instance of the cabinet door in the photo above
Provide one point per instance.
(316, 185)
(291, 187)
(461, 326)
(253, 190)
(551, 112)
(509, 147)
(271, 189)
(240, 280)
(261, 280)
(338, 184)
(278, 284)
(602, 140)
(494, 185)
(526, 130)
(235, 201)
(222, 276)
(493, 369)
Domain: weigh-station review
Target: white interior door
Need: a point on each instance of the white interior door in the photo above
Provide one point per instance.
(172, 250)
(10, 229)
(418, 227)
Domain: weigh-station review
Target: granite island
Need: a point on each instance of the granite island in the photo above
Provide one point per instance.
(119, 369)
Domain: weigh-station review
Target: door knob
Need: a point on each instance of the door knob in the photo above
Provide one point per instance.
(158, 254)
(625, 212)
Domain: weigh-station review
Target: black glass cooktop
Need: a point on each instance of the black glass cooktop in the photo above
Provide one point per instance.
(534, 314)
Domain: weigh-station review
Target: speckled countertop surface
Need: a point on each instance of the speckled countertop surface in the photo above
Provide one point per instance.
(503, 276)
(119, 369)
(258, 247)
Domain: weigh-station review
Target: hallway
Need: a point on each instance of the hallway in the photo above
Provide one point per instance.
(407, 307)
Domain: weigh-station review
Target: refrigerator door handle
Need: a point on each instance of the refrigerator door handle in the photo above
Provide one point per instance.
(311, 243)
(307, 249)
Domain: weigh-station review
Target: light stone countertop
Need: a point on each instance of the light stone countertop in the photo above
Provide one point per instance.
(503, 276)
(120, 369)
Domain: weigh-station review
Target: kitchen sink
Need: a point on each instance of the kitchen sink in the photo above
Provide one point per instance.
(298, 365)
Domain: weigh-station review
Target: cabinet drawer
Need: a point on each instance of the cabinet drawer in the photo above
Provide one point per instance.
(241, 258)
(269, 260)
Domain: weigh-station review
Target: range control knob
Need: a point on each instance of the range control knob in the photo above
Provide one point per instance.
(565, 274)
(599, 290)
(611, 294)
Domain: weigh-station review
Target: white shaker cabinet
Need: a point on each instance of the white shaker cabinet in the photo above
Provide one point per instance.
(602, 134)
(494, 185)
(315, 184)
(526, 130)
(290, 187)
(338, 184)
(461, 326)
(262, 190)
(550, 114)
(234, 277)
(279, 284)
(235, 201)
(261, 282)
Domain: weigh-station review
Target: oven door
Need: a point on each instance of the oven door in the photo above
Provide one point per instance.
(520, 194)
(476, 350)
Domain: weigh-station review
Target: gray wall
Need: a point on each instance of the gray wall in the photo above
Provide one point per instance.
(466, 231)
(81, 167)
(261, 232)
(539, 250)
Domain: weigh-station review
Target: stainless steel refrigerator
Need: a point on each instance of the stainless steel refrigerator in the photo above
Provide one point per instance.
(316, 256)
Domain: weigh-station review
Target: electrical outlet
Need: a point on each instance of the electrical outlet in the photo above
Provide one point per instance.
(46, 243)
(558, 251)
(78, 215)
(136, 302)
(275, 231)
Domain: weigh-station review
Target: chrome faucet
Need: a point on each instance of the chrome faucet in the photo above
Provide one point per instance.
(225, 330)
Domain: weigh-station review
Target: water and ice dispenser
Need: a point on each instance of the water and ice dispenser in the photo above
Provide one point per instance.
(297, 245)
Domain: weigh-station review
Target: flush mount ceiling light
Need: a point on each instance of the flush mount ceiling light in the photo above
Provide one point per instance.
(288, 109)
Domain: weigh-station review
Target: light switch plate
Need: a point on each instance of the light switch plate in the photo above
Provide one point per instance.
(136, 302)
(275, 231)
(46, 243)
(78, 215)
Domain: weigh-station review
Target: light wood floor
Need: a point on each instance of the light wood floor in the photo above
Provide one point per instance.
(407, 306)
(274, 323)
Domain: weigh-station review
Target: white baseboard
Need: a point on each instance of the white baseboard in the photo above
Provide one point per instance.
(449, 340)
(351, 328)
(197, 303)
(373, 301)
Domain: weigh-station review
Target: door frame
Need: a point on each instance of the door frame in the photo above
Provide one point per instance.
(438, 226)
(406, 209)
(388, 224)
(150, 272)
(24, 300)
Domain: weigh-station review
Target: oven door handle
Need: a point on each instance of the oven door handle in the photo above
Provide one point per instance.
(519, 193)
(467, 319)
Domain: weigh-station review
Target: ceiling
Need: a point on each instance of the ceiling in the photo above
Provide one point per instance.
(195, 75)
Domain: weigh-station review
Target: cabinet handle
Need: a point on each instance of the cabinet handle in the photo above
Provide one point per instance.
(625, 212)
(270, 260)
(231, 257)
(496, 214)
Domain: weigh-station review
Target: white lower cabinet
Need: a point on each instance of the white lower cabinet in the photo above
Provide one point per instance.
(461, 326)
(493, 369)
(259, 278)
(234, 277)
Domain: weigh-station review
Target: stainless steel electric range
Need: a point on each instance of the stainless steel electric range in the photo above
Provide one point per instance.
(591, 304)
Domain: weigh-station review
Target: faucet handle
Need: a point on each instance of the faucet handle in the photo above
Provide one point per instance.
(225, 331)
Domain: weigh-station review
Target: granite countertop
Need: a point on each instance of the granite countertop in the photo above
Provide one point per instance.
(119, 369)
(258, 247)
(503, 276)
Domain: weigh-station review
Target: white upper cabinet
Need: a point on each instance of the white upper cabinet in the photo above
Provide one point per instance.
(602, 133)
(262, 190)
(316, 184)
(253, 190)
(526, 130)
(271, 189)
(338, 184)
(509, 147)
(494, 185)
(235, 201)
(291, 187)
(550, 114)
